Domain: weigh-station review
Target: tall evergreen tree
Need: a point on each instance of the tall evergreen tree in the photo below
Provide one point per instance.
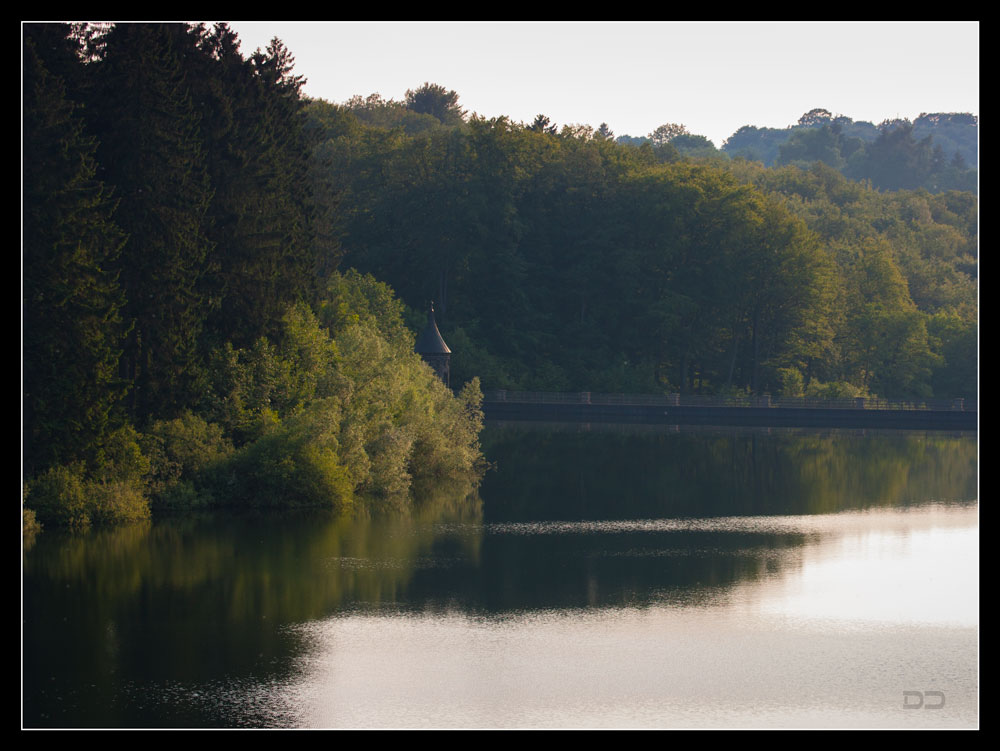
(151, 150)
(71, 297)
(258, 158)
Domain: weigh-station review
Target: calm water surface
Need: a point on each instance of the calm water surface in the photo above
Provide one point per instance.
(600, 577)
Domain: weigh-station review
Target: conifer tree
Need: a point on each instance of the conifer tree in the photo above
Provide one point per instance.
(258, 161)
(71, 297)
(152, 152)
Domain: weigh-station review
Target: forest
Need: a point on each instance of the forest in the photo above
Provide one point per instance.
(189, 341)
(563, 259)
(221, 277)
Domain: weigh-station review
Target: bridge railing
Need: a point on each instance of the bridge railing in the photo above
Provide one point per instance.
(695, 400)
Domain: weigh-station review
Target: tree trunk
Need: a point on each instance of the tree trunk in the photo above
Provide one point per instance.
(443, 295)
(732, 363)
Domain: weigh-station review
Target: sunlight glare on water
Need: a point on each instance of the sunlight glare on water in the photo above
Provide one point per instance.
(818, 644)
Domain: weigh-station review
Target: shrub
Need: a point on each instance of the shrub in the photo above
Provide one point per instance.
(296, 464)
(116, 501)
(121, 458)
(389, 459)
(180, 450)
(58, 496)
(835, 390)
(183, 495)
(790, 382)
(62, 496)
(448, 440)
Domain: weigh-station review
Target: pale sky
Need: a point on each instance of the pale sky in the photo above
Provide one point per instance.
(713, 77)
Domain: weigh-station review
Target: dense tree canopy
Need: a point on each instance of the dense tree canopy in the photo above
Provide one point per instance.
(574, 262)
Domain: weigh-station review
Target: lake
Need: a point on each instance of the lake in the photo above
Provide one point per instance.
(601, 576)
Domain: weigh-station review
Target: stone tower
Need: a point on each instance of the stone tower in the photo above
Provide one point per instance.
(431, 347)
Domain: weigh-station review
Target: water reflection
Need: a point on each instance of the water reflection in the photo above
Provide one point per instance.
(592, 581)
(573, 471)
(120, 625)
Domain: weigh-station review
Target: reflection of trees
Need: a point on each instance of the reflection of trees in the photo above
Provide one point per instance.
(566, 473)
(205, 599)
(537, 570)
(641, 472)
(255, 562)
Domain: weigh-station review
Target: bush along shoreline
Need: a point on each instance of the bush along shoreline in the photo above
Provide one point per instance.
(337, 412)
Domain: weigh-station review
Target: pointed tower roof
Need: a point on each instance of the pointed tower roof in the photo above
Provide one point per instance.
(430, 341)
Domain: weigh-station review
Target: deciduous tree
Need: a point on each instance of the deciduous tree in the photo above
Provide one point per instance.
(436, 100)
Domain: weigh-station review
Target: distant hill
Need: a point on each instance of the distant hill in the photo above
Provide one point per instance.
(937, 151)
(954, 132)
